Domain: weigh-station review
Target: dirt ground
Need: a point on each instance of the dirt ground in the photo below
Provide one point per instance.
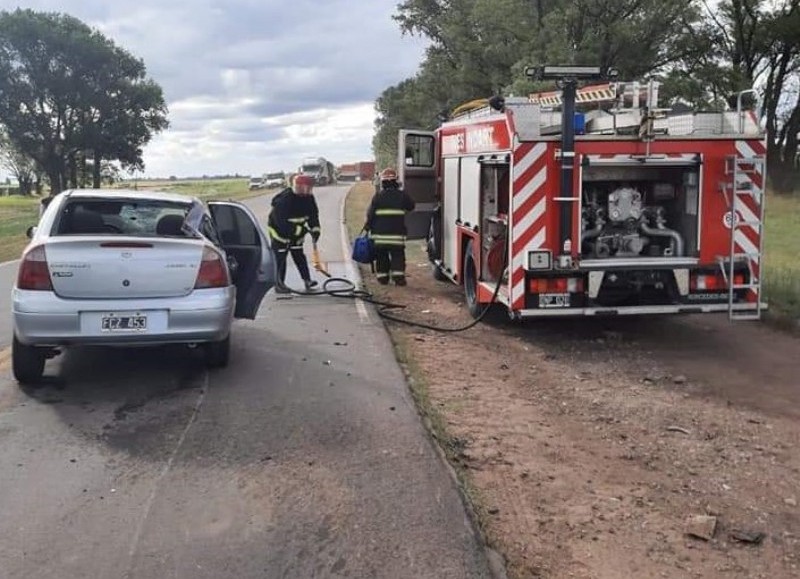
(589, 445)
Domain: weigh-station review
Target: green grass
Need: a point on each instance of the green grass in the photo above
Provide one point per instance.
(355, 208)
(782, 250)
(16, 215)
(217, 189)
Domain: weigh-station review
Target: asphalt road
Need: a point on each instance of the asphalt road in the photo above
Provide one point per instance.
(305, 458)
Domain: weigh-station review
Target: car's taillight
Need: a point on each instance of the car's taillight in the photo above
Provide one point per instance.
(33, 272)
(213, 271)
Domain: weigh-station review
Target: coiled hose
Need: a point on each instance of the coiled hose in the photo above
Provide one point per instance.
(348, 290)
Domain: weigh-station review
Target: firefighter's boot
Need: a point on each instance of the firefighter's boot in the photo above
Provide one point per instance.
(400, 280)
(311, 284)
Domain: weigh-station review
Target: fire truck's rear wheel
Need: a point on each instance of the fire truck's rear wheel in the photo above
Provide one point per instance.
(471, 283)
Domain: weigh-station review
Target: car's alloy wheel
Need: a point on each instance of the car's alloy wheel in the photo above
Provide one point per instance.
(218, 353)
(27, 362)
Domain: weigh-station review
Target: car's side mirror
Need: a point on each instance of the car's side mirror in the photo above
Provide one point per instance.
(30, 232)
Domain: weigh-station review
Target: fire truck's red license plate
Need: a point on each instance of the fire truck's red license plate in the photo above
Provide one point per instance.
(553, 300)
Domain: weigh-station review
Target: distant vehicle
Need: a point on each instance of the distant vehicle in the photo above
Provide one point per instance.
(121, 268)
(256, 183)
(348, 172)
(272, 180)
(361, 171)
(320, 169)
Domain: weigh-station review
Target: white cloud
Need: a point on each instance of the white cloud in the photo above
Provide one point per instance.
(256, 85)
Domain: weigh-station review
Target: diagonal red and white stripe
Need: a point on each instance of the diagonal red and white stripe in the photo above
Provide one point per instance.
(747, 238)
(528, 207)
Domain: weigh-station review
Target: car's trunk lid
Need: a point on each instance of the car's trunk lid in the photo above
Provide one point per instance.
(113, 267)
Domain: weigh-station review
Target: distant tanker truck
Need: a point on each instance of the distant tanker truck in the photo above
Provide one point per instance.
(320, 169)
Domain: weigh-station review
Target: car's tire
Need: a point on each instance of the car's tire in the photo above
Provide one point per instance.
(218, 354)
(27, 362)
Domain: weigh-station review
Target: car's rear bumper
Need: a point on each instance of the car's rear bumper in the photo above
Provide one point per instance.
(44, 319)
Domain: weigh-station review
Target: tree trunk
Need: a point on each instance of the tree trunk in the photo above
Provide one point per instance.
(96, 170)
(54, 176)
(72, 165)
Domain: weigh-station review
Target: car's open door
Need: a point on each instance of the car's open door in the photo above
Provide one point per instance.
(417, 168)
(242, 236)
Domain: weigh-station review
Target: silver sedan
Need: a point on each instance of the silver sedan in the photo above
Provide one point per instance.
(124, 268)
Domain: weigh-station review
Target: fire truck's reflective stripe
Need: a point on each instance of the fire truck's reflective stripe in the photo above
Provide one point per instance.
(523, 225)
(525, 216)
(745, 150)
(528, 207)
(518, 276)
(745, 244)
(747, 238)
(749, 215)
(528, 159)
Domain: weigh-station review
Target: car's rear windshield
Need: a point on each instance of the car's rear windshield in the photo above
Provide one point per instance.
(136, 217)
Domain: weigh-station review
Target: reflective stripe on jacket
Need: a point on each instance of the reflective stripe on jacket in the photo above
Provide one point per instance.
(292, 216)
(386, 216)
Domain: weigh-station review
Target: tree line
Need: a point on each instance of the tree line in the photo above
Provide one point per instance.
(74, 107)
(703, 52)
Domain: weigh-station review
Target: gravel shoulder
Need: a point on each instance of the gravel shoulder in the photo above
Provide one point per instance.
(591, 448)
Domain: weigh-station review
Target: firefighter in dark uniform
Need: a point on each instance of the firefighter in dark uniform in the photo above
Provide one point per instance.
(386, 225)
(294, 213)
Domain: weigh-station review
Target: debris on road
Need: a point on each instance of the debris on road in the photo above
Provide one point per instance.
(752, 537)
(701, 527)
(677, 429)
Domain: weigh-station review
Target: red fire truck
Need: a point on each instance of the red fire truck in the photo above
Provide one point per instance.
(592, 201)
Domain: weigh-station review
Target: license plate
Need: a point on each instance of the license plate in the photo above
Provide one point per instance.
(553, 300)
(114, 323)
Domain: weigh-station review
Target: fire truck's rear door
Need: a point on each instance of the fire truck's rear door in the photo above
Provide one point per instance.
(416, 167)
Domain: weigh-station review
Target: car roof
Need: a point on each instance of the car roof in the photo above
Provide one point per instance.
(134, 194)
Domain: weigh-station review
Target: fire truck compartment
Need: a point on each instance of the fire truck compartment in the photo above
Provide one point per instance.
(632, 212)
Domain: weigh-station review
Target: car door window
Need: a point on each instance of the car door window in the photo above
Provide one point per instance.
(234, 227)
(242, 237)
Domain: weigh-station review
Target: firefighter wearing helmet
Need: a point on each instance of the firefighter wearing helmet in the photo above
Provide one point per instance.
(386, 225)
(294, 213)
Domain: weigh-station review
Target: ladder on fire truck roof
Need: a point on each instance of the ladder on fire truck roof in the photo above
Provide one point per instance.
(607, 92)
(745, 213)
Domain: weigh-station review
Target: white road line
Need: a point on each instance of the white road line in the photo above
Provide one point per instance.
(164, 471)
(352, 270)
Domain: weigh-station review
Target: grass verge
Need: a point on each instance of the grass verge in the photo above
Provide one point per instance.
(781, 264)
(356, 204)
(206, 189)
(18, 213)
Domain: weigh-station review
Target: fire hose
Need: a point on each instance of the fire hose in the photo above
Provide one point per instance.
(344, 288)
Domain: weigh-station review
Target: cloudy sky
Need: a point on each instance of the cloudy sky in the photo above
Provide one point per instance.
(256, 85)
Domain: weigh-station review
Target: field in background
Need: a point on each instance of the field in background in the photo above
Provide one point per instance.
(781, 264)
(355, 208)
(19, 213)
(227, 189)
(16, 215)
